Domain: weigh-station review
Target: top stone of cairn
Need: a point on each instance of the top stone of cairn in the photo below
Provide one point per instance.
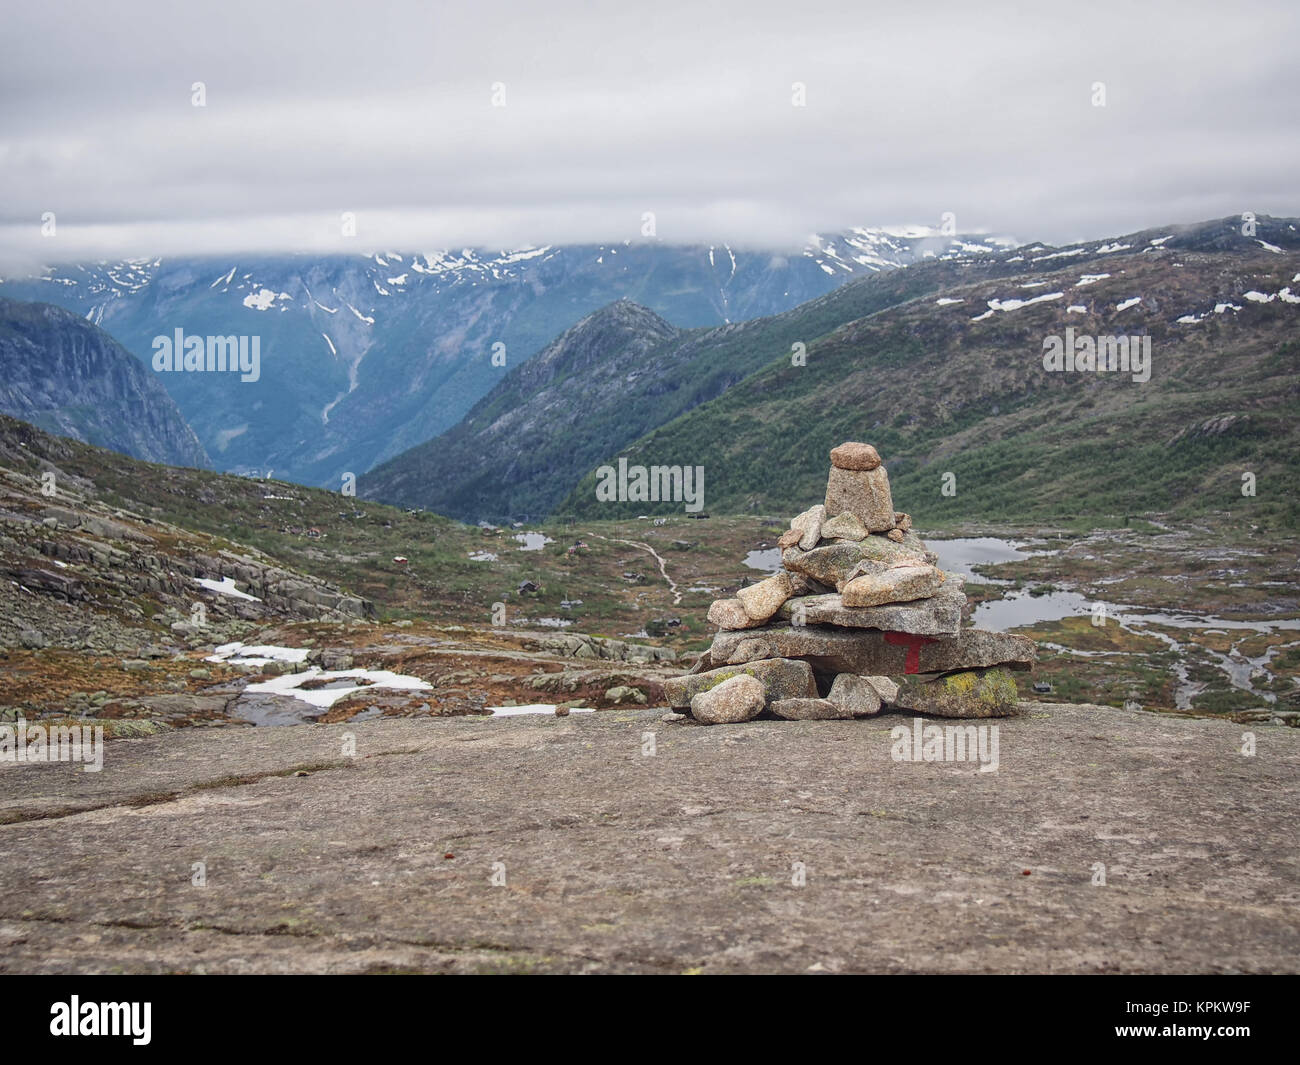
(854, 456)
(859, 485)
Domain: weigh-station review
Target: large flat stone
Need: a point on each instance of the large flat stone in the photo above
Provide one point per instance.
(810, 710)
(940, 615)
(876, 584)
(782, 678)
(832, 563)
(870, 652)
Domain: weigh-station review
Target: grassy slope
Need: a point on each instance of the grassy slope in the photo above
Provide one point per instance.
(939, 393)
(359, 540)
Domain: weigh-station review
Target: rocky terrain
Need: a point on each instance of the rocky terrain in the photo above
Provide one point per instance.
(1107, 841)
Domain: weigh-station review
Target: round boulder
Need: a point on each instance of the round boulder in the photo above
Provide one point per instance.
(738, 698)
(855, 456)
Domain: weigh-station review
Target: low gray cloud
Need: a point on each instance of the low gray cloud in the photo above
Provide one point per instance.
(679, 109)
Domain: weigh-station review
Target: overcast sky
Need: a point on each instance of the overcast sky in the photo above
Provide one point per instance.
(385, 109)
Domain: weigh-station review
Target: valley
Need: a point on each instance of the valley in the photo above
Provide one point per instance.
(1198, 618)
(1140, 527)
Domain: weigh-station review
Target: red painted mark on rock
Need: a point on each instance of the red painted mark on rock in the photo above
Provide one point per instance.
(913, 643)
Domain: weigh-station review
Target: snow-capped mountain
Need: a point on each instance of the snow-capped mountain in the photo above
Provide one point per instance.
(364, 356)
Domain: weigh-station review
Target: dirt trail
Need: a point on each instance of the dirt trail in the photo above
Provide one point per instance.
(663, 569)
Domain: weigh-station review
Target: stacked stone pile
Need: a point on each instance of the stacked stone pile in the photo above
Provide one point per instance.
(859, 618)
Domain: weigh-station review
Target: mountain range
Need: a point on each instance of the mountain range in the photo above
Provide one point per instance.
(941, 364)
(366, 356)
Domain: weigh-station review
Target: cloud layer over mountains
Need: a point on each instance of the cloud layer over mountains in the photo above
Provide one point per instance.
(683, 110)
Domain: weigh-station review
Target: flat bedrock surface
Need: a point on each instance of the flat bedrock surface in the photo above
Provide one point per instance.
(618, 861)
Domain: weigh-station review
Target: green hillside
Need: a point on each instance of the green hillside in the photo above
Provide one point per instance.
(939, 392)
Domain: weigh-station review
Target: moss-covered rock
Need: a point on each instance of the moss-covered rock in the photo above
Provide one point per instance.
(973, 693)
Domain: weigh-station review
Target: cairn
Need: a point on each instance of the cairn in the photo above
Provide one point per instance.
(858, 619)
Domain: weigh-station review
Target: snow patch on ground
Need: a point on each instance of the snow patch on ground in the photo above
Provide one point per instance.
(1126, 304)
(1014, 305)
(225, 586)
(263, 299)
(290, 684)
(535, 708)
(1056, 255)
(258, 655)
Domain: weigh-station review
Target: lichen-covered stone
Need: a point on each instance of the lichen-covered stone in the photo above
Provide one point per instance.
(871, 653)
(809, 525)
(844, 527)
(973, 693)
(875, 584)
(749, 651)
(885, 688)
(764, 599)
(939, 615)
(831, 564)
